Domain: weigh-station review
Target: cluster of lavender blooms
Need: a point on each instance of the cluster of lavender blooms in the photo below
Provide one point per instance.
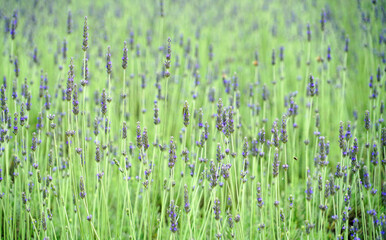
(256, 153)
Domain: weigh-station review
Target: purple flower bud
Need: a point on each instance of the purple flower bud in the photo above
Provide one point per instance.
(186, 114)
(108, 61)
(309, 190)
(276, 163)
(104, 102)
(172, 153)
(329, 54)
(173, 217)
(367, 120)
(85, 35)
(124, 57)
(82, 191)
(346, 45)
(145, 140)
(322, 21)
(259, 198)
(34, 142)
(217, 209)
(186, 199)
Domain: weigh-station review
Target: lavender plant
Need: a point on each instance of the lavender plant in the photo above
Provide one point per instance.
(217, 122)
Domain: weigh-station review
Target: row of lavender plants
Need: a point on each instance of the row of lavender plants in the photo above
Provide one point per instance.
(192, 120)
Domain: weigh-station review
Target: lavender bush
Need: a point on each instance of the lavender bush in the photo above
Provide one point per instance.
(192, 120)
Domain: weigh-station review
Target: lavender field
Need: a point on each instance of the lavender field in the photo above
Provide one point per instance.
(169, 119)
